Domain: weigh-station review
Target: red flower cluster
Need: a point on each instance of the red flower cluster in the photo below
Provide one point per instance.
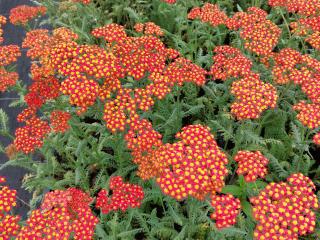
(251, 164)
(209, 13)
(309, 18)
(9, 54)
(9, 226)
(86, 67)
(111, 32)
(7, 197)
(3, 21)
(302, 7)
(194, 166)
(284, 210)
(64, 213)
(304, 70)
(59, 121)
(252, 97)
(23, 13)
(260, 35)
(7, 79)
(83, 92)
(148, 28)
(316, 138)
(309, 114)
(227, 208)
(309, 27)
(124, 196)
(44, 87)
(229, 62)
(31, 136)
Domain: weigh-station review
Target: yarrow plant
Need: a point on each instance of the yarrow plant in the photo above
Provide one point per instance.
(164, 120)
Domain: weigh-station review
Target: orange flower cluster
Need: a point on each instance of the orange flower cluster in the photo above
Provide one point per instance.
(3, 21)
(124, 196)
(9, 226)
(148, 28)
(284, 210)
(9, 54)
(229, 62)
(252, 97)
(309, 114)
(44, 87)
(59, 121)
(251, 164)
(22, 14)
(227, 208)
(209, 13)
(316, 139)
(260, 35)
(64, 213)
(7, 79)
(31, 136)
(93, 72)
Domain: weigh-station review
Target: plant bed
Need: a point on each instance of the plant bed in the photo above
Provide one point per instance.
(166, 120)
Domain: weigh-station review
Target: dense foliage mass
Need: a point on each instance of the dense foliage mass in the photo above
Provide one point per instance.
(165, 120)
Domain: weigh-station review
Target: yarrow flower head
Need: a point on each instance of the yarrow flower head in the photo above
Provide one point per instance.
(229, 62)
(9, 54)
(309, 114)
(31, 136)
(303, 70)
(316, 139)
(22, 14)
(284, 210)
(194, 166)
(209, 13)
(252, 97)
(3, 21)
(111, 33)
(302, 7)
(260, 34)
(9, 225)
(7, 79)
(7, 197)
(59, 121)
(227, 208)
(124, 196)
(64, 213)
(251, 164)
(148, 28)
